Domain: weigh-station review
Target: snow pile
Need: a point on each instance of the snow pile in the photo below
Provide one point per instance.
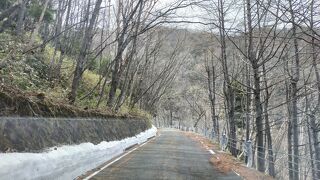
(66, 162)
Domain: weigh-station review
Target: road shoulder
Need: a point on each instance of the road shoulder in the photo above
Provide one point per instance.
(224, 162)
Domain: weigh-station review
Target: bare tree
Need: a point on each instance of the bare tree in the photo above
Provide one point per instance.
(38, 24)
(85, 47)
(211, 76)
(21, 15)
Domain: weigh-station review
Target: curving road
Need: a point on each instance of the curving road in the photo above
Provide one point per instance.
(171, 155)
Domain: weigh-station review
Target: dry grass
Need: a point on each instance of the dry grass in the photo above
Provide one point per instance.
(18, 103)
(225, 163)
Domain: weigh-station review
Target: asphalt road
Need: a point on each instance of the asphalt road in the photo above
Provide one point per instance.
(172, 155)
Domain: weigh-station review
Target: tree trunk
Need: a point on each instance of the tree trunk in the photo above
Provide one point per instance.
(229, 94)
(267, 126)
(38, 24)
(21, 15)
(307, 126)
(57, 32)
(211, 92)
(124, 88)
(248, 103)
(294, 95)
(316, 147)
(63, 47)
(213, 101)
(82, 58)
(256, 92)
(314, 129)
(289, 128)
(115, 76)
(259, 123)
(289, 138)
(313, 165)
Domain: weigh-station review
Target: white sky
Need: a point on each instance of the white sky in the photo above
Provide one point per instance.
(194, 14)
(234, 15)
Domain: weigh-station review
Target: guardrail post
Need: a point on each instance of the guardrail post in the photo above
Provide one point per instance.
(213, 134)
(249, 153)
(224, 142)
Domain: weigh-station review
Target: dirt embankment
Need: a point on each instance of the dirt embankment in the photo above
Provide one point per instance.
(30, 122)
(14, 102)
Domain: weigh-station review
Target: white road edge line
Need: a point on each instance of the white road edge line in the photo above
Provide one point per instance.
(143, 144)
(236, 172)
(212, 152)
(95, 173)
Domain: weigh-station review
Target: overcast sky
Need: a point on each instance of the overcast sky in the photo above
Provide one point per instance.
(234, 15)
(194, 14)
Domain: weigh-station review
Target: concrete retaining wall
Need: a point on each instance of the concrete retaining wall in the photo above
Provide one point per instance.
(37, 134)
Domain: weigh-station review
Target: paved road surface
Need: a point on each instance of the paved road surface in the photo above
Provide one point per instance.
(172, 155)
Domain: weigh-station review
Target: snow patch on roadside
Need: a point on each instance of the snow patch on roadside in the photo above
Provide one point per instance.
(66, 162)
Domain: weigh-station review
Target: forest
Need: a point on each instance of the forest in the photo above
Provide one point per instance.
(246, 69)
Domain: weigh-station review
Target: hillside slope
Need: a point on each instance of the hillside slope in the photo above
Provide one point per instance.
(28, 90)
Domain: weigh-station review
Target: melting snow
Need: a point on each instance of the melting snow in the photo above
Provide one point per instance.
(66, 162)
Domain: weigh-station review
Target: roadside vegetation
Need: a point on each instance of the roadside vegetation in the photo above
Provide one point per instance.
(26, 78)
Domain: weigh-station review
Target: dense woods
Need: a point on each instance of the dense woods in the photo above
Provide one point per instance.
(246, 69)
